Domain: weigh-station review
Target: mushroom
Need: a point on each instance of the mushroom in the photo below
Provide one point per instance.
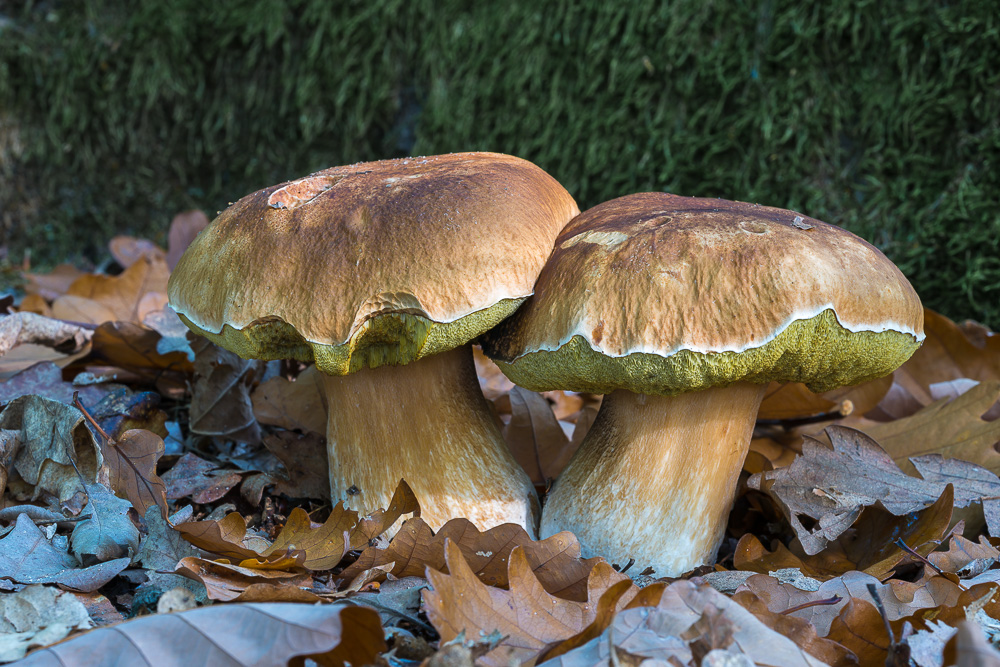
(382, 273)
(681, 310)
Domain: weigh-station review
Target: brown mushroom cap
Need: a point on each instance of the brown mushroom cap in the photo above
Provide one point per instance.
(660, 294)
(375, 263)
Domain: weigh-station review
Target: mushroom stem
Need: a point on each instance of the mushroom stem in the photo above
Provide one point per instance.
(654, 478)
(426, 422)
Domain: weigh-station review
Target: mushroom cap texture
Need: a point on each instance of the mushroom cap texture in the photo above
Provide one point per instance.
(373, 263)
(660, 294)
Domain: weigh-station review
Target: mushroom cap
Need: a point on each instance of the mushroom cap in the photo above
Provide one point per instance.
(373, 263)
(660, 294)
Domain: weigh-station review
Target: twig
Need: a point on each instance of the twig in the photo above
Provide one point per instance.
(902, 545)
(815, 603)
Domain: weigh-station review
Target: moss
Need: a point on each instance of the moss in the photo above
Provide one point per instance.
(390, 339)
(817, 351)
(881, 117)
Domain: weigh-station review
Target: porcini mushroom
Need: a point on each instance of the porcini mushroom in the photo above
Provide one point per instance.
(680, 310)
(382, 273)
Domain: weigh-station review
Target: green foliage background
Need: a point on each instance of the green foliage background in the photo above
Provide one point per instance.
(882, 117)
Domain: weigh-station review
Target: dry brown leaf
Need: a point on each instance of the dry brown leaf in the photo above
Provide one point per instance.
(607, 607)
(832, 486)
(792, 400)
(859, 628)
(965, 557)
(969, 648)
(953, 429)
(33, 303)
(134, 348)
(27, 355)
(223, 537)
(799, 630)
(526, 616)
(131, 462)
(402, 505)
(323, 546)
(54, 284)
(294, 405)
(555, 561)
(127, 250)
(220, 394)
(492, 381)
(305, 459)
(869, 547)
(200, 480)
(183, 230)
(232, 634)
(120, 294)
(535, 437)
(226, 582)
(948, 354)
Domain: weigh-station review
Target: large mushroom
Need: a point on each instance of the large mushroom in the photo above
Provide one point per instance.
(382, 273)
(680, 310)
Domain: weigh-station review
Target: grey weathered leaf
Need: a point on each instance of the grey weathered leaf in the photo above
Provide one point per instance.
(38, 616)
(28, 558)
(108, 532)
(832, 486)
(227, 635)
(54, 440)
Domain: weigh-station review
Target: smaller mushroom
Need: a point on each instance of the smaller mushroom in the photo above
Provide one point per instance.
(681, 310)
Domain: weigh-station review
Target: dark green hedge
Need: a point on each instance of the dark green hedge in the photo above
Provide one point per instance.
(883, 117)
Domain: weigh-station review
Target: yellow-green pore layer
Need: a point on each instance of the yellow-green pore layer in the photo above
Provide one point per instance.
(817, 351)
(387, 339)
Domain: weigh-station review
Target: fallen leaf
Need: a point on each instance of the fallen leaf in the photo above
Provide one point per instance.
(54, 284)
(224, 537)
(859, 629)
(134, 348)
(38, 616)
(964, 557)
(183, 230)
(220, 394)
(529, 618)
(55, 445)
(323, 547)
(792, 400)
(163, 548)
(833, 486)
(127, 250)
(226, 582)
(555, 561)
(953, 429)
(690, 619)
(45, 379)
(173, 332)
(535, 438)
(969, 648)
(292, 404)
(28, 558)
(107, 532)
(131, 461)
(948, 353)
(200, 480)
(232, 634)
(304, 457)
(119, 294)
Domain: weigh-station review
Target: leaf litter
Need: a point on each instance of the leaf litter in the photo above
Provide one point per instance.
(856, 546)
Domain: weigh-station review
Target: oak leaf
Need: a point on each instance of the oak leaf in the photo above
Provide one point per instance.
(529, 618)
(131, 460)
(535, 438)
(832, 486)
(121, 294)
(232, 634)
(555, 560)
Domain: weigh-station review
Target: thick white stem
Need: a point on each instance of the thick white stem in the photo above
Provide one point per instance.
(655, 477)
(428, 423)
